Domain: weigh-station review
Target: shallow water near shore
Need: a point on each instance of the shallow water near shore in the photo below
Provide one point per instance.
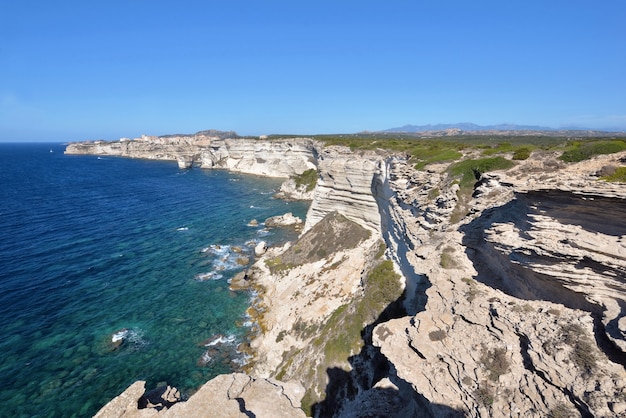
(90, 246)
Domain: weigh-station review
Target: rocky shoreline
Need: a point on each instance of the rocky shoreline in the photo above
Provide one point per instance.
(515, 306)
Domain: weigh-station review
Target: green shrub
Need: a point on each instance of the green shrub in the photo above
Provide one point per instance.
(496, 362)
(498, 149)
(484, 394)
(618, 176)
(431, 155)
(448, 261)
(308, 178)
(522, 153)
(470, 170)
(437, 335)
(583, 350)
(579, 150)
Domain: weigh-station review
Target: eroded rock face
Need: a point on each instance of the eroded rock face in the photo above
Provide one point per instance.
(272, 158)
(560, 247)
(507, 323)
(185, 149)
(232, 395)
(345, 185)
(275, 158)
(290, 191)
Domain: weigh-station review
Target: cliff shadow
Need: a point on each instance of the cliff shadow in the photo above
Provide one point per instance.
(395, 237)
(357, 391)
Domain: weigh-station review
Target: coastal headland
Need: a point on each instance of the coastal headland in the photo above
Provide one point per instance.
(465, 276)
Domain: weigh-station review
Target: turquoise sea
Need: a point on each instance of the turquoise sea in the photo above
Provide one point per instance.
(91, 246)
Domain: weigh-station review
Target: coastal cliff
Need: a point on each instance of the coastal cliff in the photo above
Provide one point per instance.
(272, 158)
(407, 296)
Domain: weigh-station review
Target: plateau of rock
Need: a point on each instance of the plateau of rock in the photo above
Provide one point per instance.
(403, 298)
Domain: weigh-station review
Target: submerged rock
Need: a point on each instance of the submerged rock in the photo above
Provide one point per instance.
(118, 337)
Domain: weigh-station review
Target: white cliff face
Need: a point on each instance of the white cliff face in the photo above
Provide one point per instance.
(345, 185)
(183, 149)
(272, 158)
(275, 158)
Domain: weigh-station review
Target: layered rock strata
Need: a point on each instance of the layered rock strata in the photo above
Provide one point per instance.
(272, 158)
(345, 185)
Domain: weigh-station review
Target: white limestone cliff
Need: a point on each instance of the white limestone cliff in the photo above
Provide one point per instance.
(264, 157)
(345, 185)
(272, 158)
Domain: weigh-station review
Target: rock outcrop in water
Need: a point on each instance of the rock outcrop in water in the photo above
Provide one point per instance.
(515, 306)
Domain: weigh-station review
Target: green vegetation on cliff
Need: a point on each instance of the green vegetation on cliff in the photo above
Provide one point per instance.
(583, 150)
(469, 171)
(425, 151)
(342, 335)
(334, 233)
(332, 342)
(308, 178)
(619, 175)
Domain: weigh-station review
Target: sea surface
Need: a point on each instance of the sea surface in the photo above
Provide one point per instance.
(94, 246)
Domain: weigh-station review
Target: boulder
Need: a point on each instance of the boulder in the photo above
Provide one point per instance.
(288, 219)
(260, 248)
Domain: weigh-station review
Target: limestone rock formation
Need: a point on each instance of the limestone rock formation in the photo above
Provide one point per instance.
(345, 185)
(289, 190)
(513, 299)
(232, 395)
(288, 219)
(273, 158)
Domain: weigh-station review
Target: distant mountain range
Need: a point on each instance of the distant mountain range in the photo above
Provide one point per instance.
(467, 126)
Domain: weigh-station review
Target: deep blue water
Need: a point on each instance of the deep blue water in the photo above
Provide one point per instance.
(91, 246)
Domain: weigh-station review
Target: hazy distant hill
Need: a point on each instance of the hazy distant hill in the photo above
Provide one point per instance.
(467, 126)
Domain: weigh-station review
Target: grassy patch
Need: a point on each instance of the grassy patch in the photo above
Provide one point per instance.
(583, 150)
(466, 173)
(484, 394)
(583, 350)
(276, 265)
(499, 148)
(447, 260)
(618, 176)
(334, 232)
(340, 336)
(469, 171)
(434, 193)
(308, 178)
(495, 362)
(522, 153)
(422, 156)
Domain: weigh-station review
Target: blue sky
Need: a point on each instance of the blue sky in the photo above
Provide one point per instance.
(74, 70)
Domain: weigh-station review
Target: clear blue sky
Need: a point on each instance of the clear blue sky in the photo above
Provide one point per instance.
(73, 70)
